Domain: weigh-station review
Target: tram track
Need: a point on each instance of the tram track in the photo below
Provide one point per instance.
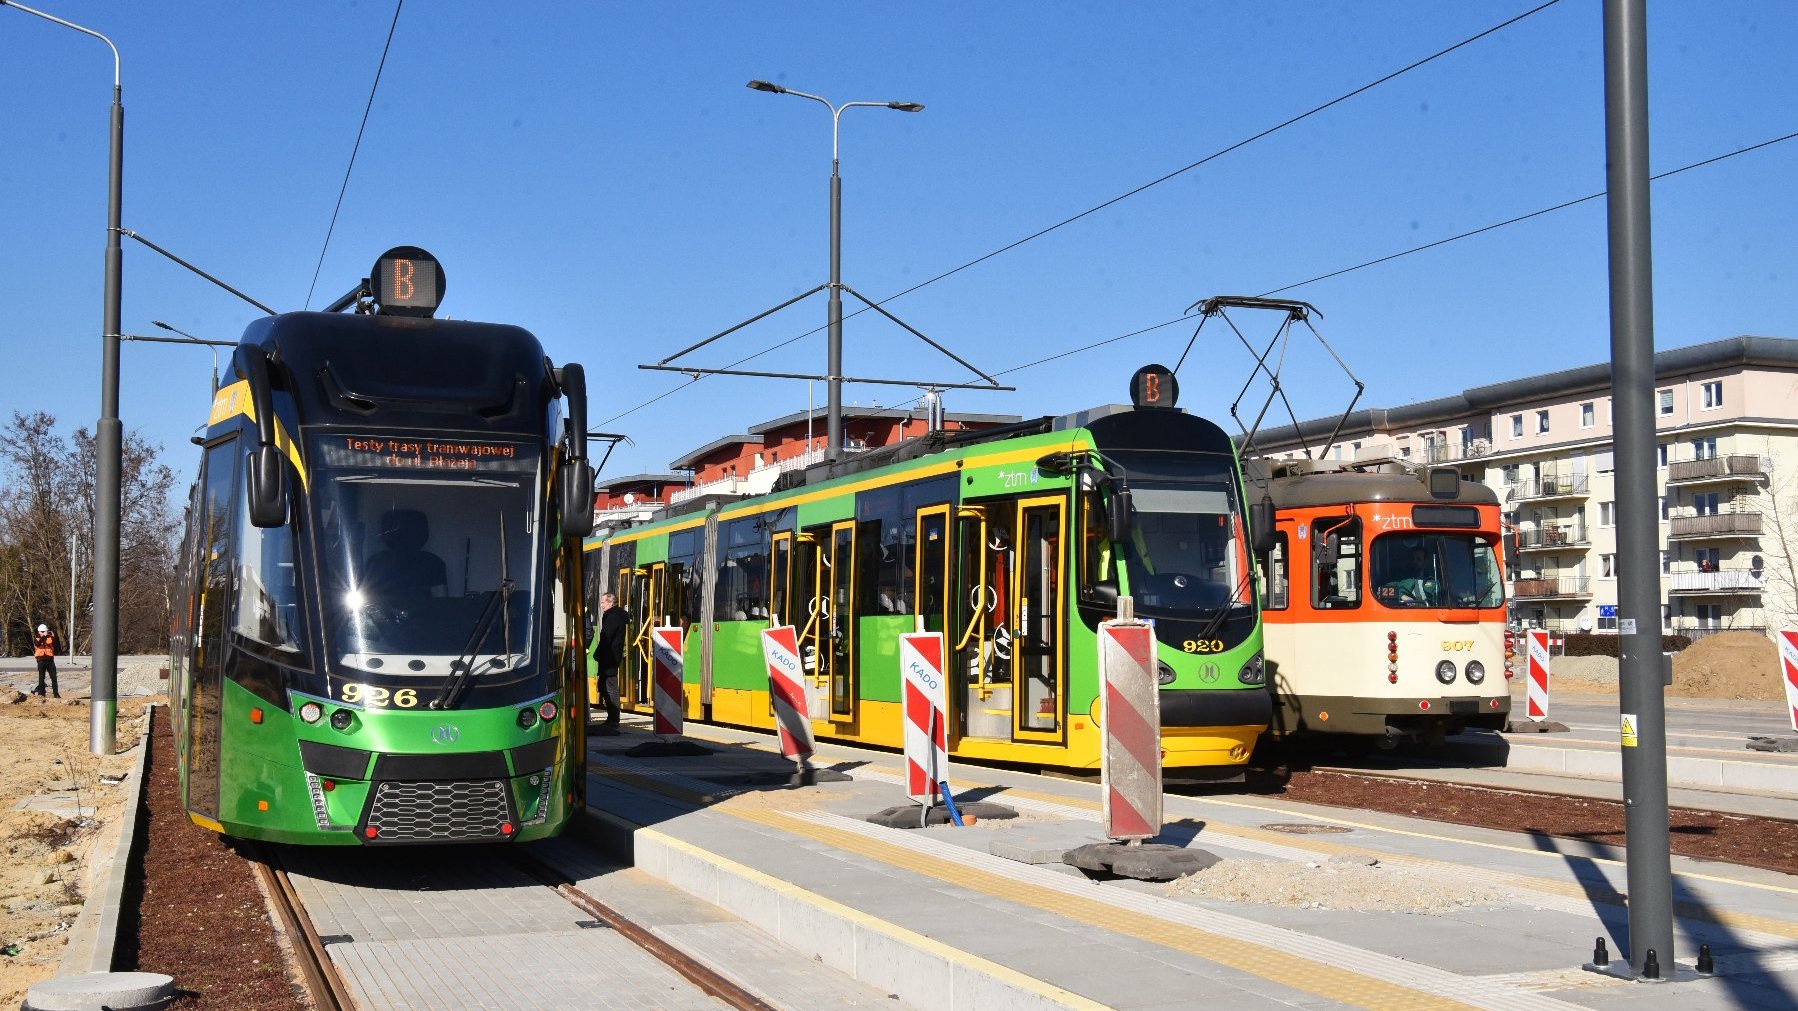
(329, 990)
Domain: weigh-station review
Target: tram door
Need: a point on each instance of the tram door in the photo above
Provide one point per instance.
(649, 591)
(1036, 647)
(212, 582)
(839, 654)
(979, 620)
(809, 603)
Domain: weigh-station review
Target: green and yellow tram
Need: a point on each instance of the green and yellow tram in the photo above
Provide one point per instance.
(1013, 542)
(376, 639)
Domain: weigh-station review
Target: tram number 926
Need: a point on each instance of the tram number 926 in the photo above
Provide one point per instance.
(1203, 645)
(378, 698)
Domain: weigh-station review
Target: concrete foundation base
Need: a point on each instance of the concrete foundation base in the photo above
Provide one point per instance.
(1781, 745)
(668, 749)
(1533, 727)
(98, 991)
(907, 815)
(1147, 862)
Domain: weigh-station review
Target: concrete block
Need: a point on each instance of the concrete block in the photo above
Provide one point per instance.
(1148, 862)
(1780, 745)
(1044, 844)
(907, 815)
(974, 990)
(920, 977)
(754, 901)
(817, 932)
(691, 874)
(95, 991)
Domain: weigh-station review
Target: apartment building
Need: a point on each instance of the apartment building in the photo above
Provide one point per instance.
(1726, 418)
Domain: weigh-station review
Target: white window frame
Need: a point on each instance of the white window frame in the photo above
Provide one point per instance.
(1588, 414)
(1542, 422)
(1664, 403)
(1713, 395)
(1516, 426)
(1607, 514)
(1607, 566)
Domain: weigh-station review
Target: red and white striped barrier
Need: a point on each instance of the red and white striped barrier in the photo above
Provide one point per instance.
(1536, 688)
(1788, 662)
(666, 645)
(786, 686)
(1130, 766)
(926, 708)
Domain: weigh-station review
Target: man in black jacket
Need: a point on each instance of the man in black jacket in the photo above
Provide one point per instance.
(608, 656)
(45, 646)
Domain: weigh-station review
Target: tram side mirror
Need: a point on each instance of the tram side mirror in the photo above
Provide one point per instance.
(1117, 518)
(575, 486)
(266, 474)
(1261, 525)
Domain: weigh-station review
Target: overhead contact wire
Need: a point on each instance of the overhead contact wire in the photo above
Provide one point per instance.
(341, 190)
(1127, 195)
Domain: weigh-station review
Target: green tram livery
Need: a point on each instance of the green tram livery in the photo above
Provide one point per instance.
(377, 634)
(1014, 542)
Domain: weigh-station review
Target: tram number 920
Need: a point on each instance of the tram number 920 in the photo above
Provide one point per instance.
(378, 698)
(1203, 645)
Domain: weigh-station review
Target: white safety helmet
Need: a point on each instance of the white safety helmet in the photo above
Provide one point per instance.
(43, 628)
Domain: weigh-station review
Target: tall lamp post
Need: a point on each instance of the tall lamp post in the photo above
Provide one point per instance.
(102, 736)
(212, 346)
(834, 398)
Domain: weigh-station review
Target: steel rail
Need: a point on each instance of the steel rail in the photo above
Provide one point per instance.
(694, 971)
(324, 984)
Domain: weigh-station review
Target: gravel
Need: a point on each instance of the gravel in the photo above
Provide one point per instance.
(1356, 884)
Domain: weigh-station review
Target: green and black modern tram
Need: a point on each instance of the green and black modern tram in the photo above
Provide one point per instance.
(1014, 542)
(377, 635)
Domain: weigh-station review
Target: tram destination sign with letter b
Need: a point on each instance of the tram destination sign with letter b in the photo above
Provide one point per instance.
(415, 452)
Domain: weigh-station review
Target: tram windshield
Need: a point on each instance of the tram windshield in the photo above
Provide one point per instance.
(417, 536)
(1436, 570)
(1187, 551)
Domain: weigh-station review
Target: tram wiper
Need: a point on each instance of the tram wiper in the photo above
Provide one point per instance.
(1223, 612)
(498, 604)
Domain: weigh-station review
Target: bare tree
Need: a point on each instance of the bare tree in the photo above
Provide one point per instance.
(1778, 504)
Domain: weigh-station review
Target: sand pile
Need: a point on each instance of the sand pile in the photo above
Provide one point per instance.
(1729, 665)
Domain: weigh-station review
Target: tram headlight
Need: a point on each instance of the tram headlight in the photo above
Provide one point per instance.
(1255, 671)
(1445, 672)
(1164, 674)
(340, 720)
(1476, 672)
(546, 712)
(312, 712)
(527, 718)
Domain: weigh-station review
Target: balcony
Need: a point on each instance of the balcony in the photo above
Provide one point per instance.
(1717, 525)
(1555, 538)
(1453, 452)
(1719, 469)
(722, 486)
(1548, 486)
(1552, 588)
(1726, 581)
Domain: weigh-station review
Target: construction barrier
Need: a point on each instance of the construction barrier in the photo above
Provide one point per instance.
(926, 708)
(787, 688)
(1130, 764)
(1788, 661)
(1536, 688)
(667, 643)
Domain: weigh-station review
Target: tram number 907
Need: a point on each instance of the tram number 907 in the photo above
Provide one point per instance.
(1203, 645)
(379, 698)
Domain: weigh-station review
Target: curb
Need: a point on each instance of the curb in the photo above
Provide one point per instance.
(919, 970)
(95, 934)
(1773, 779)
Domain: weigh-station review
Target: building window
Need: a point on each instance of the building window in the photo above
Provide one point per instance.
(1665, 507)
(1665, 401)
(1666, 564)
(1607, 566)
(1607, 622)
(1541, 422)
(1710, 615)
(1607, 461)
(1704, 447)
(1661, 456)
(1516, 426)
(1510, 473)
(1713, 395)
(1606, 517)
(1705, 503)
(1708, 559)
(1588, 414)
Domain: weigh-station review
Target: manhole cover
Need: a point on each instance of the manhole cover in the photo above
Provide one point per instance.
(1306, 828)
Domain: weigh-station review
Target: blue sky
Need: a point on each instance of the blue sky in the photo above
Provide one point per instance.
(599, 174)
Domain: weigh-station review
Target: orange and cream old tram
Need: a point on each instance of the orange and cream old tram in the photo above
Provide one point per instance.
(1383, 601)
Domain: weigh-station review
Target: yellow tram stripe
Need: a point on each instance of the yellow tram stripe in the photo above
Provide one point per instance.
(233, 400)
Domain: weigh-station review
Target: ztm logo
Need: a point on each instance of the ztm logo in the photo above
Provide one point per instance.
(446, 733)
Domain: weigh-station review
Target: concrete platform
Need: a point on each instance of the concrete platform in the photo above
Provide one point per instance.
(936, 917)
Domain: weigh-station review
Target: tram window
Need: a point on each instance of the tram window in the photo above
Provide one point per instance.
(268, 616)
(1336, 564)
(780, 571)
(880, 535)
(1275, 578)
(742, 571)
(683, 597)
(1095, 548)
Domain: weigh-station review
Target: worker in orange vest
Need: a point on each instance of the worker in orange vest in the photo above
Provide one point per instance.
(43, 646)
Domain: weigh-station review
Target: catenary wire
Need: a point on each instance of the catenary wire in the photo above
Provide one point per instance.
(341, 190)
(1238, 145)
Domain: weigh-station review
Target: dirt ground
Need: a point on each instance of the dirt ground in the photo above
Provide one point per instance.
(50, 865)
(1728, 665)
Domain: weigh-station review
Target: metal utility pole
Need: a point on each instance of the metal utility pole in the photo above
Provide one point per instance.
(1641, 696)
(102, 732)
(71, 641)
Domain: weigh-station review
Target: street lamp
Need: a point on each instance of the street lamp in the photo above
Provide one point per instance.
(102, 732)
(834, 409)
(212, 346)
